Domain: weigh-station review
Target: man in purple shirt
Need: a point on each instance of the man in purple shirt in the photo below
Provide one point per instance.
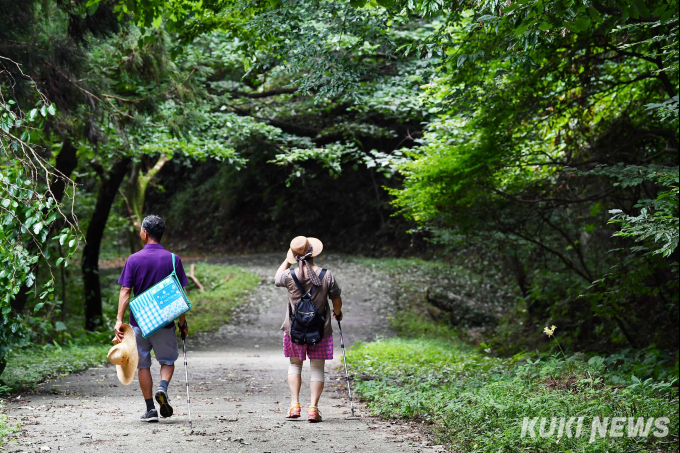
(143, 270)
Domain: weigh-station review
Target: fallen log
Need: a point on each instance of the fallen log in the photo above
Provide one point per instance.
(194, 279)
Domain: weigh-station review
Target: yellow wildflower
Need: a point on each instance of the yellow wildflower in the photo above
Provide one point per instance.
(548, 331)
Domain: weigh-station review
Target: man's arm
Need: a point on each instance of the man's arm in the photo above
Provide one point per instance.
(337, 308)
(183, 326)
(123, 301)
(182, 277)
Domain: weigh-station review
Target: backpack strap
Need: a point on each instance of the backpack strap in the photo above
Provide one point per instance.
(302, 289)
(173, 265)
(297, 282)
(299, 285)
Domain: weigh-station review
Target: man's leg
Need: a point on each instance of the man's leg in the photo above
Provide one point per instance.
(144, 375)
(166, 375)
(145, 382)
(165, 347)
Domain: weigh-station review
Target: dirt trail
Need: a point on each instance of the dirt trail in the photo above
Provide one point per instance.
(239, 393)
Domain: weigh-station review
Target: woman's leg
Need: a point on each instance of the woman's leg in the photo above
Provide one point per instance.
(295, 379)
(317, 380)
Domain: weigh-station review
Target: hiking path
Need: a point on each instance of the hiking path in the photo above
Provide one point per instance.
(239, 392)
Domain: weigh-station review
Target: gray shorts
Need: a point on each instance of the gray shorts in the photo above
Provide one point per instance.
(163, 343)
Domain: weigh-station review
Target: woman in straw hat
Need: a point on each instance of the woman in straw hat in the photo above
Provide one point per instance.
(302, 251)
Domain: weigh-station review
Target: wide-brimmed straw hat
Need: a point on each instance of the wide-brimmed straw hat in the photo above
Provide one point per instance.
(299, 246)
(124, 355)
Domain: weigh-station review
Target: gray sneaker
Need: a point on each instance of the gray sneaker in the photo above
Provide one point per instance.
(150, 416)
(164, 402)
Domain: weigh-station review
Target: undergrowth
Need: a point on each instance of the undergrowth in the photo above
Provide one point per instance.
(28, 367)
(470, 303)
(477, 403)
(5, 428)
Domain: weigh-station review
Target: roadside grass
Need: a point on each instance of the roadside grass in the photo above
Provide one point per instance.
(26, 368)
(392, 265)
(5, 428)
(409, 324)
(225, 288)
(73, 349)
(477, 403)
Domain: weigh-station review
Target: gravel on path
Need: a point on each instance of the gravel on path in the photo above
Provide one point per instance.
(239, 392)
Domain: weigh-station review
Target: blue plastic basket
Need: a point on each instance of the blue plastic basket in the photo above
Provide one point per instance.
(161, 304)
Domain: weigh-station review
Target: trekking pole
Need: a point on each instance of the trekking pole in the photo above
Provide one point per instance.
(344, 358)
(186, 376)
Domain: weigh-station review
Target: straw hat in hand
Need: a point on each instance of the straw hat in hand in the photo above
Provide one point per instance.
(124, 355)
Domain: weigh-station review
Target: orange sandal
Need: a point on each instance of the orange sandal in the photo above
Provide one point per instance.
(293, 411)
(314, 414)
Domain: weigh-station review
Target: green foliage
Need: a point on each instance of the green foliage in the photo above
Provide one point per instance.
(477, 403)
(226, 287)
(224, 202)
(658, 219)
(30, 366)
(28, 211)
(409, 324)
(5, 428)
(533, 100)
(505, 132)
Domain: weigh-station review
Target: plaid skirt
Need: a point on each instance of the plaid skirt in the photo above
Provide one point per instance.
(322, 351)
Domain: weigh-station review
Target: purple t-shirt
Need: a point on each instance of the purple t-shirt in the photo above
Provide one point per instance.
(147, 267)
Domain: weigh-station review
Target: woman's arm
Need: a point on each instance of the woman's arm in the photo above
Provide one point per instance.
(285, 265)
(337, 308)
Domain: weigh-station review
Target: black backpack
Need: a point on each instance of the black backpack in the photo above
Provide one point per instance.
(306, 325)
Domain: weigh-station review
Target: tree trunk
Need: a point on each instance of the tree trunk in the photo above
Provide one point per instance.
(67, 161)
(129, 196)
(108, 188)
(136, 194)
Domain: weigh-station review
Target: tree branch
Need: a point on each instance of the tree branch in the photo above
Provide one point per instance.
(563, 200)
(563, 258)
(264, 94)
(284, 126)
(575, 246)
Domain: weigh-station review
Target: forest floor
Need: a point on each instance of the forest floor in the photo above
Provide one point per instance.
(239, 392)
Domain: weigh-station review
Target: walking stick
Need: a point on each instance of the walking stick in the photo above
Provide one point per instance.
(344, 358)
(186, 375)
